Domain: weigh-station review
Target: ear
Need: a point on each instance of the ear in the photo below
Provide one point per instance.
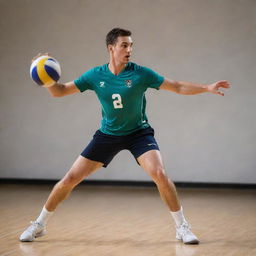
(110, 47)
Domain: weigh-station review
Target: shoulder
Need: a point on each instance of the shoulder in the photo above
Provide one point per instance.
(142, 71)
(94, 71)
(99, 69)
(131, 66)
(139, 68)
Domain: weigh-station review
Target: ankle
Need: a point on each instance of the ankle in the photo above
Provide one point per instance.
(44, 217)
(178, 217)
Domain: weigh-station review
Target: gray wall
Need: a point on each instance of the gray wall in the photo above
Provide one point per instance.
(203, 138)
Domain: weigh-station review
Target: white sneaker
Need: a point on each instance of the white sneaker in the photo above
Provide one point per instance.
(184, 234)
(33, 231)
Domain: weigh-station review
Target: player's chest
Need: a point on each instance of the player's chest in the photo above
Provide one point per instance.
(125, 87)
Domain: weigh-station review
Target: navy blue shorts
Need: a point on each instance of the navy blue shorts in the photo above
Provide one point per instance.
(104, 147)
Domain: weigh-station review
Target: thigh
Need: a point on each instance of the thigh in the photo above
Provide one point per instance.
(142, 142)
(80, 169)
(103, 148)
(151, 161)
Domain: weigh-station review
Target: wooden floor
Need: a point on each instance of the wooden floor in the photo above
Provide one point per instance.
(128, 221)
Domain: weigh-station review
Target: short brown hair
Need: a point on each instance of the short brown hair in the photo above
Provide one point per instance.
(112, 35)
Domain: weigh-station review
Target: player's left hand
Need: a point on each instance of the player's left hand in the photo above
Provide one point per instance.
(215, 87)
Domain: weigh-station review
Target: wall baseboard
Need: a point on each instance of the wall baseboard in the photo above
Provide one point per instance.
(132, 183)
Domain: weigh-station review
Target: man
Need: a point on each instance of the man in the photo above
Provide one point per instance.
(120, 86)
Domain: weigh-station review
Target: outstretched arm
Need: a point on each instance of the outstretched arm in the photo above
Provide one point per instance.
(60, 90)
(188, 88)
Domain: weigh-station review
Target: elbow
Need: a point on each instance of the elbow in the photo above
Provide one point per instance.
(56, 95)
(57, 91)
(177, 87)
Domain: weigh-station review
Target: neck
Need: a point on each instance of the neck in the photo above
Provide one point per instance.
(116, 67)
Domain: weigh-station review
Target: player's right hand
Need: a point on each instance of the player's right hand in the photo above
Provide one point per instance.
(39, 55)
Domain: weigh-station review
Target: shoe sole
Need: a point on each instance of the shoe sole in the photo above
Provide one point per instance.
(190, 242)
(43, 233)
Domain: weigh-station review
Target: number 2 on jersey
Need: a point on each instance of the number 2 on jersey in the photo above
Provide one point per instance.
(117, 101)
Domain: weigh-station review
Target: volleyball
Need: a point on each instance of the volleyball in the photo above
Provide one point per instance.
(45, 71)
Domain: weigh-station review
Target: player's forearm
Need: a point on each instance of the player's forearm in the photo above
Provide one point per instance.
(188, 88)
(56, 90)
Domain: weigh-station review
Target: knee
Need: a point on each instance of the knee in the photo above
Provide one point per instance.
(158, 174)
(68, 181)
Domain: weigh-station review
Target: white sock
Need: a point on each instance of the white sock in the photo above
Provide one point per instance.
(44, 216)
(178, 217)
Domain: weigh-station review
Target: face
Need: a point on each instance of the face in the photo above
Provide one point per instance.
(122, 49)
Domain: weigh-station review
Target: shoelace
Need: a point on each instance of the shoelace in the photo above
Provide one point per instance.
(185, 228)
(33, 226)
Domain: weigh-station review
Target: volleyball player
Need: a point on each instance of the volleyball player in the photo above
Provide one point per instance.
(120, 86)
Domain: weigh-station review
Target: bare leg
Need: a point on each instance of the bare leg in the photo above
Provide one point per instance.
(152, 163)
(81, 168)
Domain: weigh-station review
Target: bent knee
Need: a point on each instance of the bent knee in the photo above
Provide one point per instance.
(158, 174)
(69, 180)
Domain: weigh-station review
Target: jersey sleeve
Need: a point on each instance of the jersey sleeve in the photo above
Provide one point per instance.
(151, 78)
(84, 82)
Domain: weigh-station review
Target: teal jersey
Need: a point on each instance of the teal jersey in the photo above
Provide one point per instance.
(122, 96)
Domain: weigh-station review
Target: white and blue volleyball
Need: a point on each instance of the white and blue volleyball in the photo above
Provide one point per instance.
(45, 71)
